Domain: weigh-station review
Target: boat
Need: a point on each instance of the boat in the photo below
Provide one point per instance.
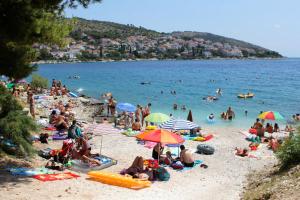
(245, 96)
(118, 180)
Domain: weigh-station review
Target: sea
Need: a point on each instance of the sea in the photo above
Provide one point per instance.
(275, 83)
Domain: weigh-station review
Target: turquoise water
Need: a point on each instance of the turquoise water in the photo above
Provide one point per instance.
(275, 84)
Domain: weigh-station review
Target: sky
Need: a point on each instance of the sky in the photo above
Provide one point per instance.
(273, 24)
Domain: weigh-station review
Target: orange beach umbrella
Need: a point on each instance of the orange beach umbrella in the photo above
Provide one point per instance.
(161, 136)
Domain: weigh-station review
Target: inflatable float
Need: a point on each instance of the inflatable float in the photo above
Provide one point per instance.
(203, 139)
(118, 180)
(245, 96)
(72, 94)
(80, 166)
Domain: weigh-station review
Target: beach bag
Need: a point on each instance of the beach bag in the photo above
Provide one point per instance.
(205, 149)
(163, 174)
(177, 165)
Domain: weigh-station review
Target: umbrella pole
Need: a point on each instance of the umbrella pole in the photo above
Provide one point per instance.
(158, 152)
(101, 144)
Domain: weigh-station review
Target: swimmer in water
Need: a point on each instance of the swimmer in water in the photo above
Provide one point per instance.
(211, 116)
(175, 106)
(183, 108)
(246, 113)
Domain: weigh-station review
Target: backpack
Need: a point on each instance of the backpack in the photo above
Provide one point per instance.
(163, 174)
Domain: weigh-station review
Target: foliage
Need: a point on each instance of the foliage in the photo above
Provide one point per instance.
(26, 22)
(15, 125)
(289, 152)
(39, 82)
(44, 54)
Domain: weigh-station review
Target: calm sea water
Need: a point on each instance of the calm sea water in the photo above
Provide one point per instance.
(275, 84)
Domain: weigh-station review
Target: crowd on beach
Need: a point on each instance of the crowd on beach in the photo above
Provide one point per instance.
(62, 119)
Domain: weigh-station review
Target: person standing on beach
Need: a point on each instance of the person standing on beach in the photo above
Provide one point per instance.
(137, 113)
(31, 105)
(145, 113)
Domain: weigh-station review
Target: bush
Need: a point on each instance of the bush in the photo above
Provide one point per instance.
(15, 126)
(289, 152)
(39, 82)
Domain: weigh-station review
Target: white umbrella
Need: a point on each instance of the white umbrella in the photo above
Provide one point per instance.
(178, 124)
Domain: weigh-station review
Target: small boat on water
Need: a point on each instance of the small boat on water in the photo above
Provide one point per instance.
(245, 96)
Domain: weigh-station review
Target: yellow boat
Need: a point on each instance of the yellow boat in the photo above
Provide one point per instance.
(245, 96)
(118, 180)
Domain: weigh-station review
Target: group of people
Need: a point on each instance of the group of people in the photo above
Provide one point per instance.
(175, 107)
(61, 115)
(134, 120)
(185, 156)
(228, 115)
(57, 89)
(260, 129)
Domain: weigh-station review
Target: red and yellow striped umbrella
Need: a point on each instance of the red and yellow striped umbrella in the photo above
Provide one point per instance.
(161, 136)
(270, 115)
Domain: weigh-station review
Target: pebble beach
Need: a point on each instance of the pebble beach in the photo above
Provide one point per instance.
(223, 179)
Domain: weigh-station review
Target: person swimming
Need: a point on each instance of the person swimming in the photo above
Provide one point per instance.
(219, 91)
(175, 106)
(211, 116)
(183, 107)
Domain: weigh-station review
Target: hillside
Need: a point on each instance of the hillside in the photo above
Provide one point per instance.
(99, 40)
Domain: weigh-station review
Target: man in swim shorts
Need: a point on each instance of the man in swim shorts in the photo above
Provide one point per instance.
(186, 157)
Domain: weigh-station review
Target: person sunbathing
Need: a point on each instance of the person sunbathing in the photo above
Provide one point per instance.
(273, 144)
(136, 126)
(186, 157)
(60, 123)
(269, 128)
(241, 152)
(289, 128)
(136, 167)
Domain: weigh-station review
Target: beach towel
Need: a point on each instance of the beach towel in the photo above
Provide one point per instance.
(50, 128)
(196, 163)
(54, 177)
(59, 137)
(23, 171)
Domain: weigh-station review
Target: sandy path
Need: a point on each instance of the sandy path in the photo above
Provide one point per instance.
(223, 179)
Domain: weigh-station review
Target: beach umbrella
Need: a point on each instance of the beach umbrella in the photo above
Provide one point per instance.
(190, 116)
(127, 107)
(161, 136)
(157, 118)
(178, 124)
(271, 115)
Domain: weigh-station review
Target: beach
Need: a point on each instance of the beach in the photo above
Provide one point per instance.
(223, 179)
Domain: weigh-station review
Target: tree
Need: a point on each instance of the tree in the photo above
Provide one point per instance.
(15, 125)
(26, 22)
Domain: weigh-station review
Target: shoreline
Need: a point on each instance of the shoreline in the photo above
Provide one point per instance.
(151, 59)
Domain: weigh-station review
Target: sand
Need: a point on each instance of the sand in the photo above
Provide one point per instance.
(223, 179)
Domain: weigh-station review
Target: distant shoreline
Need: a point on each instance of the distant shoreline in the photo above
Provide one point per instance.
(150, 59)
